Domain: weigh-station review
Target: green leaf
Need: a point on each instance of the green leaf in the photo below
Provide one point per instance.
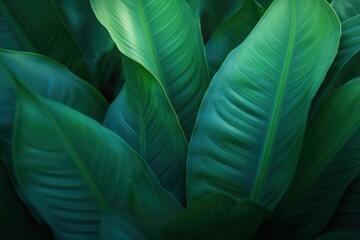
(343, 235)
(13, 213)
(346, 9)
(250, 126)
(164, 37)
(347, 214)
(38, 26)
(142, 114)
(328, 163)
(122, 228)
(346, 64)
(213, 12)
(217, 217)
(230, 34)
(50, 80)
(73, 170)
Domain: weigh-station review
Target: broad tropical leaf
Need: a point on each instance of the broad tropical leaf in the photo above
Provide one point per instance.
(346, 9)
(142, 114)
(38, 26)
(164, 37)
(347, 214)
(347, 62)
(118, 227)
(50, 80)
(217, 217)
(13, 213)
(250, 126)
(230, 34)
(329, 161)
(73, 170)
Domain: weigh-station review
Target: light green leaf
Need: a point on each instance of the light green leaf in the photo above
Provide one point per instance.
(347, 62)
(346, 9)
(142, 114)
(250, 126)
(343, 235)
(50, 80)
(230, 34)
(328, 163)
(38, 26)
(347, 214)
(217, 217)
(120, 228)
(13, 213)
(164, 37)
(73, 170)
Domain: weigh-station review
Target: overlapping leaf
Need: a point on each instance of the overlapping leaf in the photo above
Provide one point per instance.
(37, 26)
(164, 37)
(47, 78)
(142, 114)
(250, 126)
(346, 9)
(328, 163)
(73, 170)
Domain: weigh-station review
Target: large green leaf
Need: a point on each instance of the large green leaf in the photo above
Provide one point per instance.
(230, 34)
(346, 9)
(47, 78)
(13, 213)
(329, 161)
(38, 26)
(142, 114)
(73, 170)
(347, 214)
(217, 217)
(164, 37)
(251, 122)
(347, 62)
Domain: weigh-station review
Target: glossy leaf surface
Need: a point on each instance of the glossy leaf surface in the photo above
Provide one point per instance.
(69, 184)
(164, 37)
(249, 130)
(142, 114)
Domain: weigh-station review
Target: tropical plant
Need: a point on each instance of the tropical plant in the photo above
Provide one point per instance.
(228, 120)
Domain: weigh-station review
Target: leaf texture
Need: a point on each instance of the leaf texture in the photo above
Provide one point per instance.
(249, 130)
(142, 114)
(23, 28)
(164, 37)
(73, 170)
(346, 9)
(50, 80)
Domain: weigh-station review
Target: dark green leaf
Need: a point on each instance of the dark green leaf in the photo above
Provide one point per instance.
(142, 114)
(250, 126)
(38, 26)
(73, 170)
(230, 34)
(164, 37)
(343, 235)
(16, 223)
(346, 9)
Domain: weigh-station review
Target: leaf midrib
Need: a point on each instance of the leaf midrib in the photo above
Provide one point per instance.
(265, 157)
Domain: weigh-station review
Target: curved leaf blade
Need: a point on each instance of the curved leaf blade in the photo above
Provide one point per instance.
(250, 126)
(142, 114)
(51, 37)
(346, 9)
(230, 34)
(72, 170)
(13, 213)
(50, 80)
(164, 37)
(328, 163)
